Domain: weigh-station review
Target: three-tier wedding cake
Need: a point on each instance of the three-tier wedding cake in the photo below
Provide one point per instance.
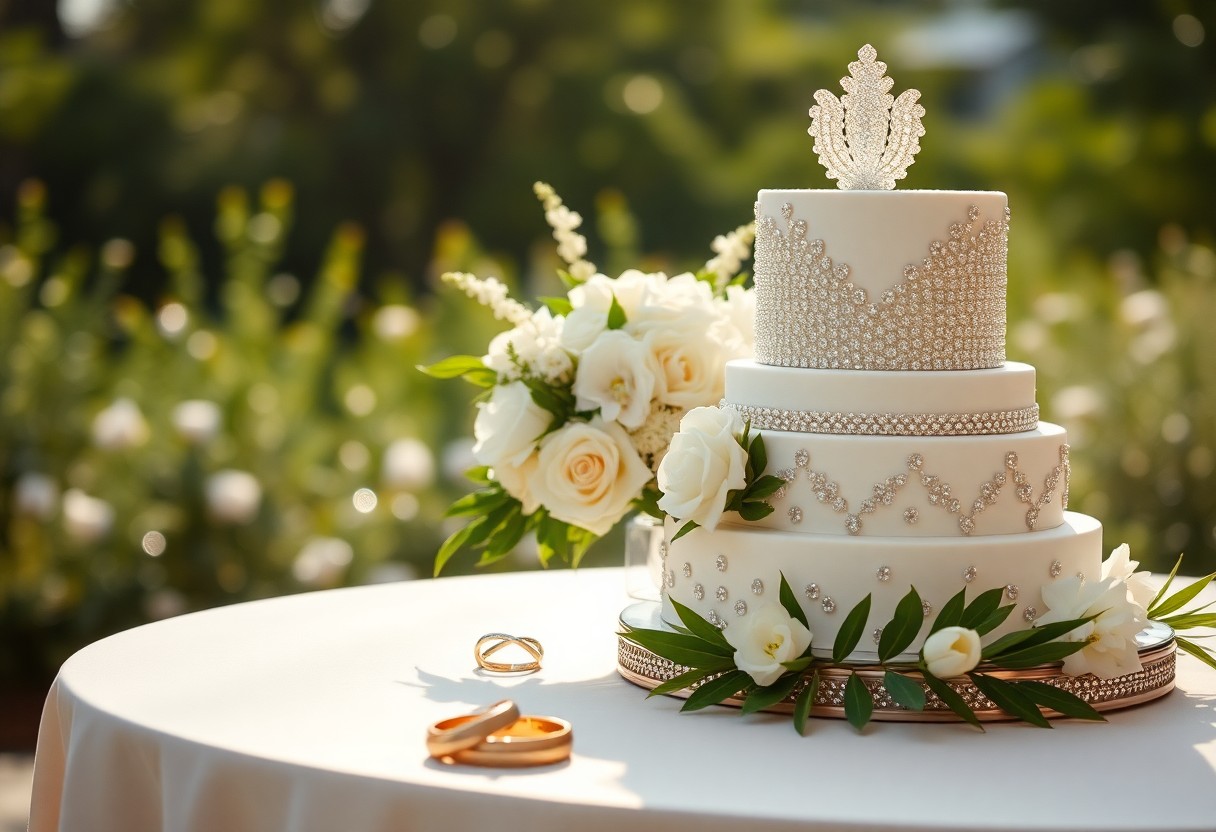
(911, 450)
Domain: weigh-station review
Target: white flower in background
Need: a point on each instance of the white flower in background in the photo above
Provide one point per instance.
(704, 463)
(120, 426)
(618, 375)
(322, 561)
(731, 250)
(515, 480)
(508, 425)
(232, 496)
(1110, 638)
(738, 311)
(587, 474)
(1121, 567)
(36, 494)
(197, 420)
(652, 439)
(582, 326)
(952, 651)
(86, 519)
(533, 347)
(764, 639)
(678, 302)
(691, 366)
(395, 322)
(409, 464)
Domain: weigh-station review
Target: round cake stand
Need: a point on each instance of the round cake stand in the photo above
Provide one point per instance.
(1158, 653)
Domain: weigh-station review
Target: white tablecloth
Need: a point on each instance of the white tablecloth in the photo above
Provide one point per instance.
(309, 712)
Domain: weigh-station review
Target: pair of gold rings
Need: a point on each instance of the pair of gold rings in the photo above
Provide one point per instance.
(491, 643)
(498, 736)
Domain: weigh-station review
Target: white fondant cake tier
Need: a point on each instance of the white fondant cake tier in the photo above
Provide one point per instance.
(918, 486)
(725, 574)
(930, 402)
(881, 280)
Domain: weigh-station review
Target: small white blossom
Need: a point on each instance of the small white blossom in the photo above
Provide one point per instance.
(731, 250)
(1110, 639)
(1121, 567)
(233, 496)
(490, 293)
(120, 426)
(654, 436)
(571, 246)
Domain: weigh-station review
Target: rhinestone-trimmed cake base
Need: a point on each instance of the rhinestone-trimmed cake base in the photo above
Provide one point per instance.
(1157, 653)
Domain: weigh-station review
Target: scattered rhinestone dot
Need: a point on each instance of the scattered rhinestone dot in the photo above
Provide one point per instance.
(802, 457)
(687, 570)
(716, 620)
(720, 593)
(740, 607)
(828, 605)
(1012, 591)
(811, 592)
(1030, 614)
(852, 524)
(671, 579)
(720, 563)
(915, 461)
(877, 634)
(911, 515)
(795, 514)
(757, 587)
(883, 574)
(969, 574)
(1056, 569)
(926, 608)
(1011, 461)
(698, 592)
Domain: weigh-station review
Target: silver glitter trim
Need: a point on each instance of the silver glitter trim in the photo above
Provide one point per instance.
(947, 313)
(890, 424)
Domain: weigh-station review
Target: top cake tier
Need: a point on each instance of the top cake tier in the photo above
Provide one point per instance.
(881, 280)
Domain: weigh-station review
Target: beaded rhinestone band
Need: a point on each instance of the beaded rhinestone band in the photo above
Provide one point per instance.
(948, 313)
(890, 424)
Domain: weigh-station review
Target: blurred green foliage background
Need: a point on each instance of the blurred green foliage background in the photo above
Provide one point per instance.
(209, 399)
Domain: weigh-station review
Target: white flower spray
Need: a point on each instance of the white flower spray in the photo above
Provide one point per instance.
(571, 246)
(731, 250)
(491, 293)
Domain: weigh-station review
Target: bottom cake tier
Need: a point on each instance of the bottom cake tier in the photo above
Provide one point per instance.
(725, 573)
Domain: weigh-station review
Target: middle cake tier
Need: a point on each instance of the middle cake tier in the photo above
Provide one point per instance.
(918, 486)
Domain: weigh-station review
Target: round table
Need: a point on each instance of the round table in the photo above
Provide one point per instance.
(309, 713)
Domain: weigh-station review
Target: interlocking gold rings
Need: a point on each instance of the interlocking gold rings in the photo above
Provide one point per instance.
(498, 736)
(493, 642)
(454, 735)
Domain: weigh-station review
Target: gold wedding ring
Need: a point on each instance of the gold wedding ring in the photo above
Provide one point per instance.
(525, 741)
(451, 736)
(493, 642)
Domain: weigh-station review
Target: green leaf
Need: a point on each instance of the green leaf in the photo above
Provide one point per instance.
(858, 702)
(616, 314)
(752, 511)
(1165, 587)
(454, 366)
(716, 690)
(800, 664)
(581, 539)
(690, 651)
(764, 487)
(951, 612)
(478, 502)
(1007, 697)
(904, 691)
(1181, 598)
(739, 279)
(1060, 700)
(995, 620)
(1053, 651)
(904, 625)
(701, 628)
(1186, 621)
(790, 601)
(804, 703)
(505, 537)
(757, 456)
(683, 530)
(1196, 650)
(1031, 637)
(452, 545)
(556, 401)
(678, 683)
(568, 280)
(558, 306)
(978, 611)
(761, 698)
(648, 502)
(850, 631)
(952, 699)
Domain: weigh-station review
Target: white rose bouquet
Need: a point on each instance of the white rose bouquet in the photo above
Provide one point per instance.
(584, 394)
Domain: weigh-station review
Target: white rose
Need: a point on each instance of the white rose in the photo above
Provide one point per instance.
(583, 325)
(1110, 639)
(616, 374)
(197, 420)
(952, 651)
(703, 463)
(764, 639)
(630, 291)
(233, 496)
(587, 474)
(508, 425)
(514, 479)
(120, 426)
(1121, 567)
(738, 310)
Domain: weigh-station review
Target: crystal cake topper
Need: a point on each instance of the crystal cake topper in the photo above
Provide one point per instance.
(866, 139)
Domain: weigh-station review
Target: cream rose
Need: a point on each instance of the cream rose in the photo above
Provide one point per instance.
(763, 639)
(692, 364)
(587, 474)
(1110, 639)
(704, 462)
(618, 376)
(508, 426)
(951, 651)
(514, 479)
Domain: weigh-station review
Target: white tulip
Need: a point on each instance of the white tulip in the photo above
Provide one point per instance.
(508, 425)
(763, 639)
(587, 474)
(197, 420)
(86, 519)
(233, 496)
(617, 375)
(952, 651)
(408, 463)
(1110, 639)
(1121, 567)
(120, 426)
(704, 462)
